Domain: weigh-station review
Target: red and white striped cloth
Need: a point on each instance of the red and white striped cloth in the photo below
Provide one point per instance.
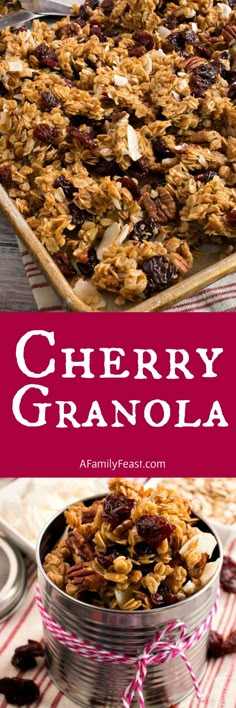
(218, 684)
(218, 297)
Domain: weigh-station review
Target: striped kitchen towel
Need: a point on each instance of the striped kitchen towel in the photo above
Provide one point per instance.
(218, 297)
(218, 683)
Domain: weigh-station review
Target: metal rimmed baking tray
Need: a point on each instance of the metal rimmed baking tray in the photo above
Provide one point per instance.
(209, 267)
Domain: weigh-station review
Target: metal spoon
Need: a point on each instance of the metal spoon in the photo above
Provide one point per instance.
(36, 8)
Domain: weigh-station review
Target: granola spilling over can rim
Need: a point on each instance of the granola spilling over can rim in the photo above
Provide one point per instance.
(115, 570)
(118, 141)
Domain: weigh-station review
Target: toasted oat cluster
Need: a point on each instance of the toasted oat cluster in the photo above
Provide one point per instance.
(134, 549)
(119, 138)
(213, 497)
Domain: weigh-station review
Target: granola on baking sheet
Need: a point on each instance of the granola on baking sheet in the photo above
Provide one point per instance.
(118, 138)
(134, 549)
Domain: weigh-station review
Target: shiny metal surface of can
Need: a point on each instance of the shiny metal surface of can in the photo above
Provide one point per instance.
(99, 685)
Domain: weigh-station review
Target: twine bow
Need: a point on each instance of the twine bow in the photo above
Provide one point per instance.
(159, 650)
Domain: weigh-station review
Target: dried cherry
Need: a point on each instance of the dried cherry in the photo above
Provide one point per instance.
(205, 177)
(83, 137)
(106, 559)
(232, 91)
(19, 691)
(48, 101)
(117, 508)
(6, 176)
(24, 656)
(46, 134)
(78, 215)
(132, 186)
(46, 56)
(144, 38)
(160, 149)
(107, 6)
(145, 230)
(160, 272)
(201, 78)
(68, 187)
(228, 574)
(153, 529)
(215, 644)
(87, 268)
(63, 262)
(142, 166)
(136, 50)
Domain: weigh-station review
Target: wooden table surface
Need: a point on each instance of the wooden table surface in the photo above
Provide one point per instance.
(15, 292)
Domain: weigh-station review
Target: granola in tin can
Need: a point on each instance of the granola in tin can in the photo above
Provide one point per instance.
(134, 549)
(118, 139)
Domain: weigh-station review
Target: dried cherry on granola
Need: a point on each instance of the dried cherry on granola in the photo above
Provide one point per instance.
(160, 149)
(205, 177)
(145, 230)
(142, 166)
(136, 50)
(106, 559)
(144, 38)
(46, 56)
(132, 186)
(117, 508)
(98, 29)
(87, 268)
(19, 691)
(228, 575)
(231, 218)
(201, 78)
(232, 91)
(68, 187)
(160, 272)
(46, 133)
(78, 215)
(48, 101)
(24, 656)
(83, 137)
(6, 176)
(63, 262)
(107, 6)
(154, 529)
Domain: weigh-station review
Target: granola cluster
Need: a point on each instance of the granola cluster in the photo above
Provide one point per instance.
(118, 138)
(214, 497)
(134, 549)
(8, 7)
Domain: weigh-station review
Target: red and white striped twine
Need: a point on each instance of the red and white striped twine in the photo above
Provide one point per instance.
(166, 649)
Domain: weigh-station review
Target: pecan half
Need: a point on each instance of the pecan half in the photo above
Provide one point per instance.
(165, 206)
(149, 205)
(79, 546)
(86, 578)
(194, 62)
(229, 33)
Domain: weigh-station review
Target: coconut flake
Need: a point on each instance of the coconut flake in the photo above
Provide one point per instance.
(175, 95)
(15, 66)
(225, 10)
(122, 596)
(147, 63)
(190, 588)
(110, 234)
(202, 543)
(208, 572)
(86, 291)
(123, 234)
(194, 26)
(163, 31)
(120, 80)
(160, 53)
(133, 146)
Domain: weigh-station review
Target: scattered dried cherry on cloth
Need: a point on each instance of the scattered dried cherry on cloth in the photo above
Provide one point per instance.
(160, 272)
(6, 176)
(19, 691)
(228, 575)
(24, 656)
(153, 529)
(217, 646)
(117, 508)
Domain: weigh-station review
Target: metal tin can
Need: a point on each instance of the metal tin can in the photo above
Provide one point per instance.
(12, 578)
(99, 685)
